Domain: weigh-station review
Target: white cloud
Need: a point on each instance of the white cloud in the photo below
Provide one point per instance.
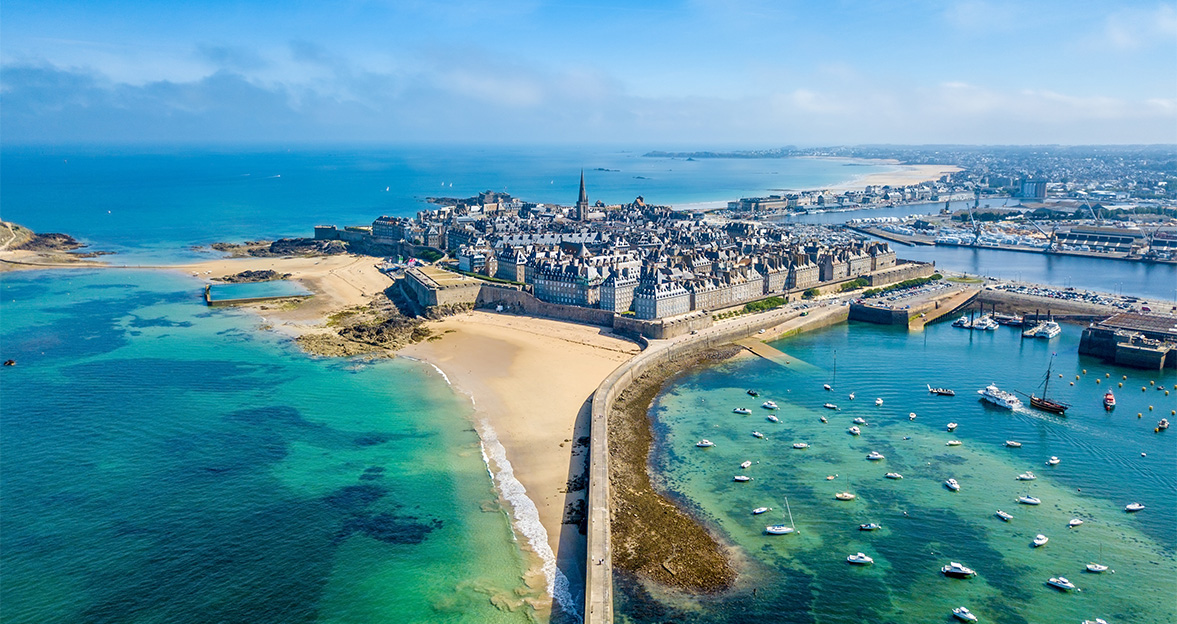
(1131, 29)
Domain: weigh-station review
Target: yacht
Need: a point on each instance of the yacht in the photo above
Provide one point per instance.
(773, 418)
(1053, 461)
(800, 445)
(941, 391)
(984, 323)
(1040, 540)
(782, 529)
(746, 464)
(1004, 515)
(1109, 401)
(963, 615)
(757, 434)
(1048, 330)
(1074, 522)
(872, 526)
(1061, 583)
(879, 401)
(961, 322)
(1133, 507)
(742, 410)
(1000, 398)
(844, 496)
(742, 478)
(1027, 476)
(875, 456)
(769, 405)
(953, 443)
(860, 559)
(860, 421)
(893, 475)
(957, 570)
(830, 406)
(704, 443)
(1012, 444)
(1098, 568)
(1026, 499)
(952, 426)
(952, 485)
(854, 431)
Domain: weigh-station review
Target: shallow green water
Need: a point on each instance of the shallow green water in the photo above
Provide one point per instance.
(805, 577)
(164, 462)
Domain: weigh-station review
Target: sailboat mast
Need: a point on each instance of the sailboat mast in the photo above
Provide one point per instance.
(1046, 383)
(795, 526)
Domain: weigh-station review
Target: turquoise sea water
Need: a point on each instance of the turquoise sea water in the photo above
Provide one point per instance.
(164, 462)
(805, 577)
(276, 288)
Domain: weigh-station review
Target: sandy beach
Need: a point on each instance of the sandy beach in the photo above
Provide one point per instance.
(905, 175)
(531, 380)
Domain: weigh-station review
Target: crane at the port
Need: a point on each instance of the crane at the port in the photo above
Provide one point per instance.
(1049, 237)
(976, 227)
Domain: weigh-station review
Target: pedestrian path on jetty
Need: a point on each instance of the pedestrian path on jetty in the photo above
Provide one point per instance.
(771, 353)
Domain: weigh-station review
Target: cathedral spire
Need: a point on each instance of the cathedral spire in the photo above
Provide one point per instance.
(582, 201)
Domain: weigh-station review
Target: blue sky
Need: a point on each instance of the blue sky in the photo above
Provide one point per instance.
(660, 74)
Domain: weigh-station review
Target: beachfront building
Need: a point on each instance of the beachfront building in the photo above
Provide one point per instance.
(511, 264)
(659, 297)
(617, 292)
(568, 283)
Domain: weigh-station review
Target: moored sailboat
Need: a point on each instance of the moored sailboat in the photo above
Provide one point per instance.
(1046, 404)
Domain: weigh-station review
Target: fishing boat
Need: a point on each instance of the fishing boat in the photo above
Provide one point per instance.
(957, 570)
(1006, 516)
(941, 391)
(1074, 522)
(860, 421)
(1027, 476)
(963, 614)
(875, 456)
(1061, 583)
(952, 426)
(704, 443)
(753, 393)
(800, 445)
(742, 410)
(1013, 444)
(870, 526)
(860, 559)
(1053, 461)
(1040, 540)
(952, 485)
(893, 475)
(879, 401)
(772, 418)
(742, 478)
(854, 431)
(1000, 398)
(1109, 401)
(1042, 402)
(1026, 499)
(769, 405)
(757, 434)
(746, 464)
(830, 406)
(1132, 507)
(1098, 568)
(782, 529)
(760, 510)
(953, 443)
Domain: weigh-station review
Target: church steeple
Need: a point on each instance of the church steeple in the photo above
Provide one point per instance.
(582, 201)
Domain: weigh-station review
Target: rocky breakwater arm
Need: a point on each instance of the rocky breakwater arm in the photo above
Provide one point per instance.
(22, 246)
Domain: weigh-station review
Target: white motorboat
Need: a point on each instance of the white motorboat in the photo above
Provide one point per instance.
(860, 559)
(760, 510)
(1074, 522)
(1013, 444)
(830, 406)
(1130, 507)
(1095, 621)
(962, 322)
(1027, 476)
(953, 443)
(958, 570)
(704, 443)
(952, 426)
(963, 614)
(1000, 398)
(1048, 330)
(1004, 515)
(742, 478)
(1061, 583)
(875, 456)
(1053, 461)
(827, 386)
(893, 475)
(870, 526)
(800, 445)
(854, 431)
(746, 464)
(769, 405)
(773, 418)
(860, 421)
(878, 401)
(824, 419)
(952, 485)
(1040, 540)
(844, 496)
(851, 396)
(757, 434)
(742, 410)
